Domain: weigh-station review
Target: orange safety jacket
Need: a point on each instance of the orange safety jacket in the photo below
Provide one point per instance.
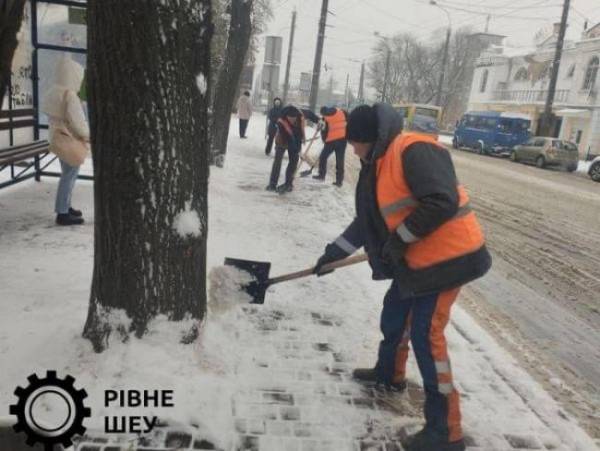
(456, 238)
(336, 126)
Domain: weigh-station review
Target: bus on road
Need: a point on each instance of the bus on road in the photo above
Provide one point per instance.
(420, 117)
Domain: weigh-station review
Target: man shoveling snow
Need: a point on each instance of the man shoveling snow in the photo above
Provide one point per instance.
(414, 221)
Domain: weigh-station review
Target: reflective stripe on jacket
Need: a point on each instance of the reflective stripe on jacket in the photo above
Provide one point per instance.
(336, 126)
(457, 237)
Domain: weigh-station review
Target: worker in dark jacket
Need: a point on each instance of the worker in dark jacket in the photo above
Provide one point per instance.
(414, 220)
(290, 136)
(273, 116)
(333, 133)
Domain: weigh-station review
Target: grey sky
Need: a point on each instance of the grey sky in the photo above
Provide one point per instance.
(351, 36)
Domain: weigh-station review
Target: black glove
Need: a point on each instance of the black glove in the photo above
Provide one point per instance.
(332, 253)
(394, 249)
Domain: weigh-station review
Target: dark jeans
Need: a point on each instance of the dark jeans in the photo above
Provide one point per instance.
(294, 156)
(270, 139)
(339, 147)
(243, 127)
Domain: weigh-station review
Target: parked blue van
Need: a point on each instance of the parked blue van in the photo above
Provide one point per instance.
(491, 132)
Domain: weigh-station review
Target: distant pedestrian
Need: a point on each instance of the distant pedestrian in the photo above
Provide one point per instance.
(244, 109)
(67, 127)
(273, 116)
(290, 136)
(334, 137)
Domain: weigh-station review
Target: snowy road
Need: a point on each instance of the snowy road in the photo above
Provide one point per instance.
(277, 377)
(543, 294)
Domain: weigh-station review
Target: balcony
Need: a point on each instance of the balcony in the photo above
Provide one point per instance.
(531, 96)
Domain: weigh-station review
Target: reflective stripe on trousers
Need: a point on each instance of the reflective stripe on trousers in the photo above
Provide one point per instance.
(424, 318)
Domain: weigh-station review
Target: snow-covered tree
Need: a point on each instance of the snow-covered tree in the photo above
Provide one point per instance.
(226, 89)
(11, 16)
(148, 68)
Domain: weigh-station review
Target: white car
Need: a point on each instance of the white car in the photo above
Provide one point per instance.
(594, 170)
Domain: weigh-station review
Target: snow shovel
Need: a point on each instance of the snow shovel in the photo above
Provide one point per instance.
(304, 155)
(260, 272)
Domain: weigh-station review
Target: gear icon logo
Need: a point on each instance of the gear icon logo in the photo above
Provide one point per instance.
(68, 410)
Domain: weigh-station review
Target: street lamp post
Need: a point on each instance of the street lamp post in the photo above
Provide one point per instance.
(438, 97)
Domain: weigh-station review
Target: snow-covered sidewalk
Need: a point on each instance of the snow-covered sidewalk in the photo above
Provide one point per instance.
(271, 377)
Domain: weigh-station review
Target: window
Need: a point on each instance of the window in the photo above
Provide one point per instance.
(571, 147)
(521, 74)
(539, 142)
(591, 73)
(505, 126)
(484, 79)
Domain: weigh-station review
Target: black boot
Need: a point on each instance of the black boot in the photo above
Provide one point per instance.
(369, 376)
(285, 188)
(74, 212)
(338, 184)
(271, 188)
(67, 219)
(429, 440)
(319, 177)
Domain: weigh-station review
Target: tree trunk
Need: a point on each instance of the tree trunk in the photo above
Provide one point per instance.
(11, 16)
(226, 90)
(148, 66)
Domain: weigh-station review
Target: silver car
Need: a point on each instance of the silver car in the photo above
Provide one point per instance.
(545, 151)
(594, 171)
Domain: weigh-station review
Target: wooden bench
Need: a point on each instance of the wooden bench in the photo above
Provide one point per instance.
(29, 160)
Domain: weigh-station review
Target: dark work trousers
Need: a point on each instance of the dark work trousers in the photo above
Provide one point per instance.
(270, 139)
(243, 127)
(339, 147)
(421, 320)
(294, 156)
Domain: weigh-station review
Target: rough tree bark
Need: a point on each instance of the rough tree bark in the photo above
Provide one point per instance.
(226, 90)
(148, 69)
(11, 16)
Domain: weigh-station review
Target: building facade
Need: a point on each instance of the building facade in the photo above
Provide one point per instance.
(519, 81)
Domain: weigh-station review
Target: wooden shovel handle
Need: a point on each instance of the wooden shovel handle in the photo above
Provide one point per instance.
(310, 271)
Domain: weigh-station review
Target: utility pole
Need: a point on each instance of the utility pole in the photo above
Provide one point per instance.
(361, 84)
(438, 97)
(314, 88)
(286, 84)
(487, 23)
(346, 91)
(387, 72)
(547, 120)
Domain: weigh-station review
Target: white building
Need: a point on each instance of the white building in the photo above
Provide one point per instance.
(517, 81)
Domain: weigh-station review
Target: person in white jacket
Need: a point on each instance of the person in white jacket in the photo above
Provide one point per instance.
(64, 109)
(244, 109)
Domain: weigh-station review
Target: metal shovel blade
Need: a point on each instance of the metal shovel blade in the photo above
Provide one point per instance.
(259, 272)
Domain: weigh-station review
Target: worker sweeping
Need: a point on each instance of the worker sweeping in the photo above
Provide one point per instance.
(334, 137)
(289, 137)
(414, 220)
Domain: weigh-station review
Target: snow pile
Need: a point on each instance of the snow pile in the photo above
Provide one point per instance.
(201, 83)
(187, 222)
(227, 288)
(583, 167)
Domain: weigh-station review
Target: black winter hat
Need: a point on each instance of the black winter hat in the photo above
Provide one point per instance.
(291, 111)
(362, 125)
